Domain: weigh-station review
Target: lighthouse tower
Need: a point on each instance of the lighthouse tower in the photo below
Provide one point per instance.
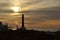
(22, 28)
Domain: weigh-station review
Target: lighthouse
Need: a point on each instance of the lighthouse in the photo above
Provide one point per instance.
(22, 28)
(22, 20)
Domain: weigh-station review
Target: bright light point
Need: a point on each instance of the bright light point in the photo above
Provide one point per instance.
(15, 9)
(14, 29)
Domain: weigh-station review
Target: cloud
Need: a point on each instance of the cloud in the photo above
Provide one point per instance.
(6, 11)
(45, 14)
(39, 4)
(29, 3)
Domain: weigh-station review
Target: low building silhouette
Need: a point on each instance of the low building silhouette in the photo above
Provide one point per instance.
(3, 27)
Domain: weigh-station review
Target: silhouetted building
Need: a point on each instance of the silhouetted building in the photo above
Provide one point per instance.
(17, 27)
(3, 27)
(22, 28)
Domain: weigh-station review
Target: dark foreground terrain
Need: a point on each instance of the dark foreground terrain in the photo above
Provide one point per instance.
(29, 35)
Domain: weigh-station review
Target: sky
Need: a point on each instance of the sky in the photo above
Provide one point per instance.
(39, 14)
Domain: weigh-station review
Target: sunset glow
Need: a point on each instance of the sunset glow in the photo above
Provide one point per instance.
(39, 14)
(15, 8)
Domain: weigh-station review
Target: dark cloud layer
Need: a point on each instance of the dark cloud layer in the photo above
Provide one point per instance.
(3, 4)
(30, 3)
(51, 13)
(6, 11)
